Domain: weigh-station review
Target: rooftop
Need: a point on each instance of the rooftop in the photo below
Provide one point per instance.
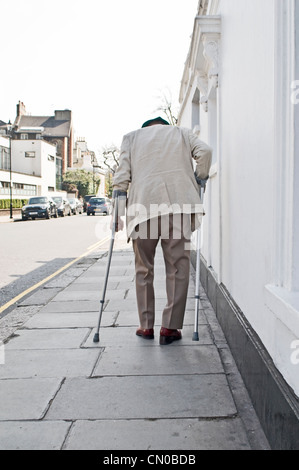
(52, 127)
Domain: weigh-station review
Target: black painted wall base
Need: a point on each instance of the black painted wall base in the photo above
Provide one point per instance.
(275, 403)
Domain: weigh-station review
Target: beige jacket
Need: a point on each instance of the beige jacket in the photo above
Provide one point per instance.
(156, 166)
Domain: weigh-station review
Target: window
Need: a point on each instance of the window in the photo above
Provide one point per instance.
(58, 173)
(38, 200)
(4, 187)
(4, 159)
(29, 190)
(20, 189)
(24, 136)
(30, 154)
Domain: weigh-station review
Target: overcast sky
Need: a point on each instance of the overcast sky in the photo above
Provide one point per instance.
(106, 60)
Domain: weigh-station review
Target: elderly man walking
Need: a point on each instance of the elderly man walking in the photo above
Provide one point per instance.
(156, 168)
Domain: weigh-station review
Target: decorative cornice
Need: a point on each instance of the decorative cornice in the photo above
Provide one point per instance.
(203, 59)
(211, 49)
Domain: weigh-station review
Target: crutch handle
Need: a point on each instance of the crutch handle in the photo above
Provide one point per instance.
(202, 183)
(121, 198)
(118, 193)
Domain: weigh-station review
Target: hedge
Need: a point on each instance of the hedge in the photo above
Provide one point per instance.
(16, 203)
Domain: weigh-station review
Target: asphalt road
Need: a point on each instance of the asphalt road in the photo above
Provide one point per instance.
(33, 250)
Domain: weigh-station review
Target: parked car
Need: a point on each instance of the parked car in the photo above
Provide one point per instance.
(98, 205)
(63, 206)
(38, 208)
(80, 206)
(76, 205)
(86, 200)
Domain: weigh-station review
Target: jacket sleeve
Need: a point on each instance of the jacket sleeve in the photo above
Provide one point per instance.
(122, 177)
(202, 154)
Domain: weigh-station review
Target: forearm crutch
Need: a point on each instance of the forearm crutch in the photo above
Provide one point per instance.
(118, 195)
(202, 188)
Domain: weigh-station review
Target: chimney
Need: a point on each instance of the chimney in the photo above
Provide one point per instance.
(65, 115)
(21, 109)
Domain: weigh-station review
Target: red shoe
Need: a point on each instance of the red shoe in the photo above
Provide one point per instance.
(145, 334)
(168, 336)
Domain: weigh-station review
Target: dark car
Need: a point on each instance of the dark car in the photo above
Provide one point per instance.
(63, 206)
(76, 205)
(98, 205)
(86, 200)
(39, 208)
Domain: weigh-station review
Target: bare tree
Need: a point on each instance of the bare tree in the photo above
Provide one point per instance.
(110, 158)
(167, 107)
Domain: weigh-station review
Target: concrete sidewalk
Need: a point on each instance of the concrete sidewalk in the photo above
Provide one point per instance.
(58, 390)
(5, 219)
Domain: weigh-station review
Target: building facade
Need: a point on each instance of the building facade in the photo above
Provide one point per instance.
(240, 93)
(30, 171)
(85, 159)
(36, 158)
(57, 130)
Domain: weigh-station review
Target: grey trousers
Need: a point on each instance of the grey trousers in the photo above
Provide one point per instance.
(176, 252)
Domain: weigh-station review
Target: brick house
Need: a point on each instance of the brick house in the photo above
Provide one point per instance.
(57, 130)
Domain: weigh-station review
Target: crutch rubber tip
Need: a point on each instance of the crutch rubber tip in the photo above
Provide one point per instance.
(195, 337)
(96, 338)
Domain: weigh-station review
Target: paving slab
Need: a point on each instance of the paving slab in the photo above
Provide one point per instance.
(92, 287)
(131, 304)
(100, 271)
(65, 279)
(33, 435)
(131, 318)
(160, 293)
(123, 360)
(127, 336)
(97, 281)
(125, 261)
(95, 295)
(49, 363)
(189, 317)
(26, 399)
(41, 297)
(48, 339)
(71, 307)
(71, 320)
(164, 435)
(180, 396)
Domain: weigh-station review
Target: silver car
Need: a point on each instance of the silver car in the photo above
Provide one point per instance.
(98, 205)
(76, 206)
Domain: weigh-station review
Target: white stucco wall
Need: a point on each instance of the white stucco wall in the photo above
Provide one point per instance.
(40, 165)
(30, 166)
(247, 139)
(4, 141)
(296, 169)
(241, 201)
